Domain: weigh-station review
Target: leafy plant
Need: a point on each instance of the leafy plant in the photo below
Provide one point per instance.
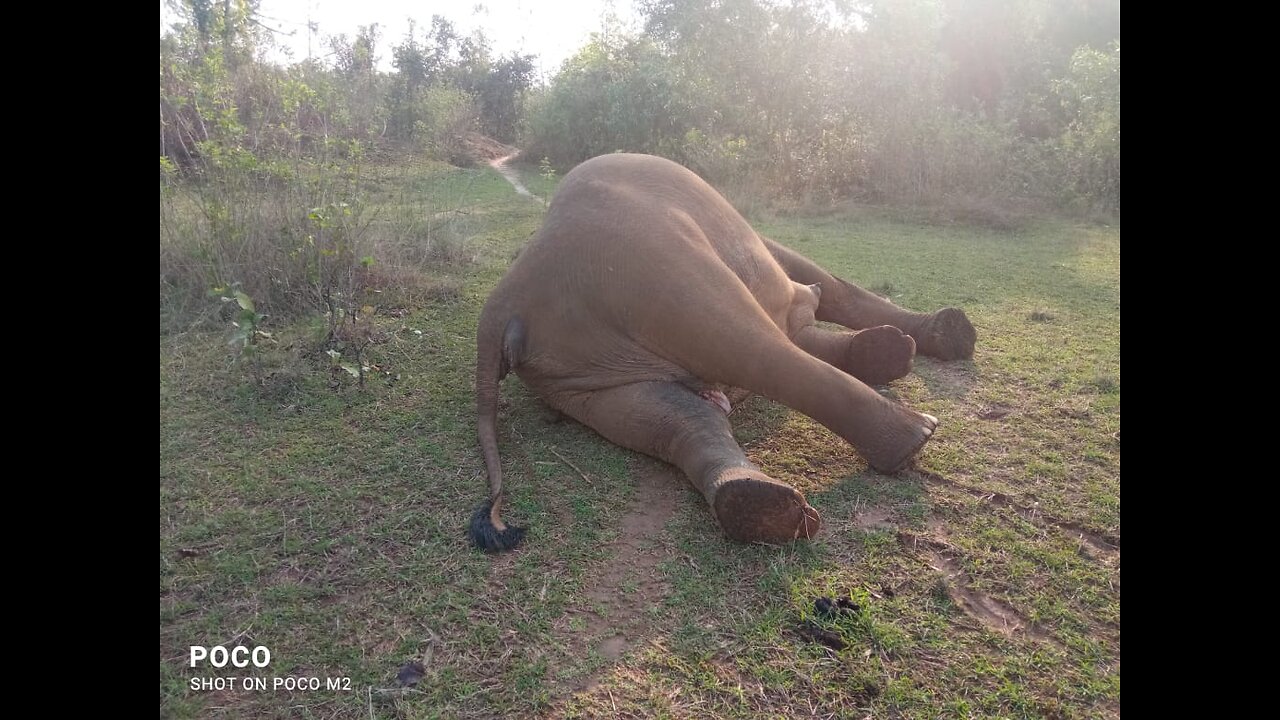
(248, 335)
(548, 173)
(354, 369)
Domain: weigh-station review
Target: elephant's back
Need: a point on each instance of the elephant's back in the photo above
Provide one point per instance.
(642, 193)
(627, 204)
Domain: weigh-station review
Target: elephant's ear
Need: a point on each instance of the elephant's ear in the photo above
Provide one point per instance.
(514, 346)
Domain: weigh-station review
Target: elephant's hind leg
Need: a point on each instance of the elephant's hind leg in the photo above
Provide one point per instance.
(675, 424)
(946, 334)
(741, 346)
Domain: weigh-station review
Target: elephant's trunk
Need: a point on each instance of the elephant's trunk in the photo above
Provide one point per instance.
(496, 354)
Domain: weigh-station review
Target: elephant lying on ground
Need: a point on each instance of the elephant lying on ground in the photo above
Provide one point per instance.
(645, 293)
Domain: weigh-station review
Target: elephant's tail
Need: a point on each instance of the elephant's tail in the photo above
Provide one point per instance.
(497, 352)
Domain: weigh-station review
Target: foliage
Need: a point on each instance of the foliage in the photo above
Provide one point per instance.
(248, 325)
(961, 103)
(548, 173)
(1091, 143)
(261, 164)
(611, 96)
(213, 88)
(893, 99)
(289, 232)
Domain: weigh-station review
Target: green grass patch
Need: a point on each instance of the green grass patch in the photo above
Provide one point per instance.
(325, 520)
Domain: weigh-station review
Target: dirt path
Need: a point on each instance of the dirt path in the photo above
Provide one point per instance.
(622, 593)
(500, 164)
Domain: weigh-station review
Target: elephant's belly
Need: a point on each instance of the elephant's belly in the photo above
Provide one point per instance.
(559, 370)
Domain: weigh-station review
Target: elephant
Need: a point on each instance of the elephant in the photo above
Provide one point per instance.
(645, 296)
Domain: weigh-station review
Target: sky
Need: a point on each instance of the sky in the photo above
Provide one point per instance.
(551, 29)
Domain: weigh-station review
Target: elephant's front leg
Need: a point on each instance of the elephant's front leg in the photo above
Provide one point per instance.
(946, 334)
(673, 423)
(875, 356)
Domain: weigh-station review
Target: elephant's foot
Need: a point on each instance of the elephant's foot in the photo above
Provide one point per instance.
(900, 441)
(946, 334)
(879, 355)
(752, 507)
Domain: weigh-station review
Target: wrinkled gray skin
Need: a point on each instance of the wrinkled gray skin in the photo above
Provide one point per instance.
(645, 292)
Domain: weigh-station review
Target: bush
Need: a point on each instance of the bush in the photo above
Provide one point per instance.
(1091, 143)
(292, 237)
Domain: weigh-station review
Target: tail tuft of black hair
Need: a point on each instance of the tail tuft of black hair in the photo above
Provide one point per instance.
(486, 536)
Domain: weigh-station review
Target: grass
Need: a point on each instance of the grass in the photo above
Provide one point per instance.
(325, 521)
